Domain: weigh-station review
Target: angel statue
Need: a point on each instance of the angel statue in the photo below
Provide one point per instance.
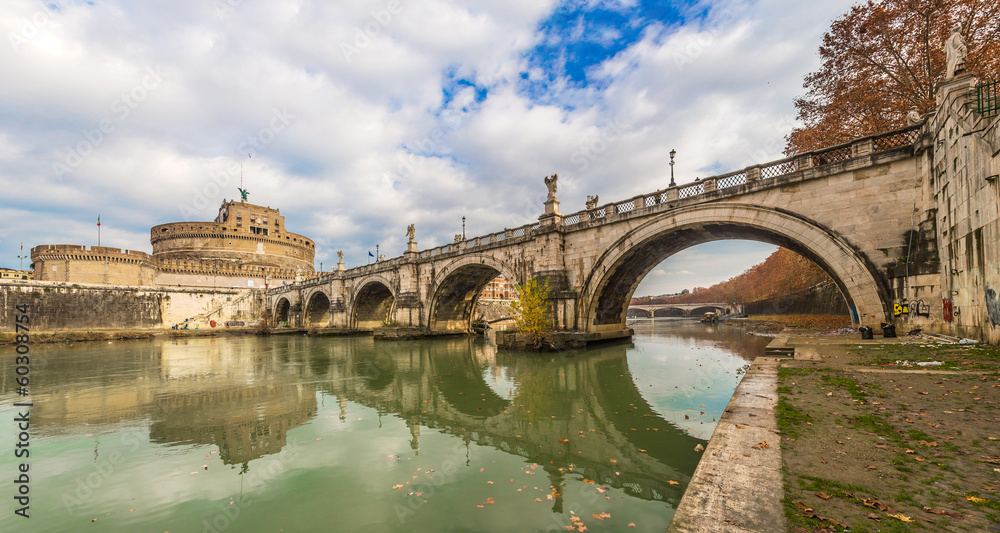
(550, 182)
(340, 255)
(955, 52)
(591, 201)
(411, 232)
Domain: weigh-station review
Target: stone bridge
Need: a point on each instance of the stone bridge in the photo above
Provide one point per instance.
(889, 217)
(656, 310)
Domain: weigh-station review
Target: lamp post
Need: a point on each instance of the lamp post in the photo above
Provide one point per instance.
(672, 154)
(463, 228)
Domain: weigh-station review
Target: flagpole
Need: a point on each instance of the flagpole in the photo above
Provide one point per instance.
(98, 229)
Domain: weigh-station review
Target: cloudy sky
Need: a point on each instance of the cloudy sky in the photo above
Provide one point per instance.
(357, 118)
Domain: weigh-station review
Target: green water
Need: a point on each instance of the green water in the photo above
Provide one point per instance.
(294, 433)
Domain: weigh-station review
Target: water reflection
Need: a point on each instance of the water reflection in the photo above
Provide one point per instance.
(616, 415)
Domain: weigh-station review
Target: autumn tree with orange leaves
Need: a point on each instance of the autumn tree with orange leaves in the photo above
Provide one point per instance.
(882, 58)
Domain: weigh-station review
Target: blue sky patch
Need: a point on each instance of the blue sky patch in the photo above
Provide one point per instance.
(579, 36)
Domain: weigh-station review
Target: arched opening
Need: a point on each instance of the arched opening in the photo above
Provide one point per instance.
(373, 306)
(281, 312)
(699, 311)
(669, 312)
(318, 311)
(639, 313)
(619, 271)
(457, 292)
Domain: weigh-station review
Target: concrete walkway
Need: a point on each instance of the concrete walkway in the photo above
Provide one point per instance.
(738, 483)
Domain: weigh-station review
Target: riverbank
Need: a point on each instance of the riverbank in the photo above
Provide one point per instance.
(117, 335)
(873, 441)
(777, 323)
(47, 337)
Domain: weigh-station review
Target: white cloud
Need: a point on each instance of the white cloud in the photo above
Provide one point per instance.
(372, 147)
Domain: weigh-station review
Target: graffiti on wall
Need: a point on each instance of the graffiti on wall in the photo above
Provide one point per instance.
(992, 306)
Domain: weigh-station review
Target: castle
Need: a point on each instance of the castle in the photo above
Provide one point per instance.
(247, 246)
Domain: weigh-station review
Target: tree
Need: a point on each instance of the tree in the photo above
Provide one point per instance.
(882, 58)
(531, 311)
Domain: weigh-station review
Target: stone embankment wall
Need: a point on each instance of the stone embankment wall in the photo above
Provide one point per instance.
(493, 310)
(63, 306)
(822, 299)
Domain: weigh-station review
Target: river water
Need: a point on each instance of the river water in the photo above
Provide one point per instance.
(296, 433)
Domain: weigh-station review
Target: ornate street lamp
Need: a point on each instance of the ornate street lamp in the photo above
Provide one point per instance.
(672, 154)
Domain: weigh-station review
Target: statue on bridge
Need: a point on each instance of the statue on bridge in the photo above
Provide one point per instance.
(458, 238)
(913, 117)
(955, 52)
(411, 232)
(591, 201)
(550, 182)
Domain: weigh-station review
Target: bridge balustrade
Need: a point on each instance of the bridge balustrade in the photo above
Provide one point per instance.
(691, 190)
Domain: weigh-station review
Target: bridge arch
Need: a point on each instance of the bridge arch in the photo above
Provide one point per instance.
(281, 310)
(372, 303)
(698, 311)
(618, 271)
(670, 312)
(317, 310)
(457, 287)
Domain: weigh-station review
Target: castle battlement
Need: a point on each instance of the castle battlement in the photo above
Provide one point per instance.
(245, 242)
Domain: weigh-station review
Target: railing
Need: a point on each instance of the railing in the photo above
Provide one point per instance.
(731, 180)
(894, 139)
(986, 98)
(691, 190)
(777, 168)
(834, 155)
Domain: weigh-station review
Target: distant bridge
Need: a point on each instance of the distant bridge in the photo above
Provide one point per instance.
(662, 310)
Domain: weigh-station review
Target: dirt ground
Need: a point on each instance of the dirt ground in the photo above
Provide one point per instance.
(873, 442)
(776, 323)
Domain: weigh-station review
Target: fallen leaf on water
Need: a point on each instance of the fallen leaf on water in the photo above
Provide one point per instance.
(397, 486)
(631, 524)
(564, 441)
(614, 460)
(672, 482)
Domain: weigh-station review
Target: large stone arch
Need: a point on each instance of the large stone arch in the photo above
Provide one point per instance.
(281, 310)
(316, 313)
(670, 312)
(372, 302)
(618, 271)
(457, 286)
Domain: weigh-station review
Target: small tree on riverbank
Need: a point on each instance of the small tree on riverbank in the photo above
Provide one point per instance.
(531, 311)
